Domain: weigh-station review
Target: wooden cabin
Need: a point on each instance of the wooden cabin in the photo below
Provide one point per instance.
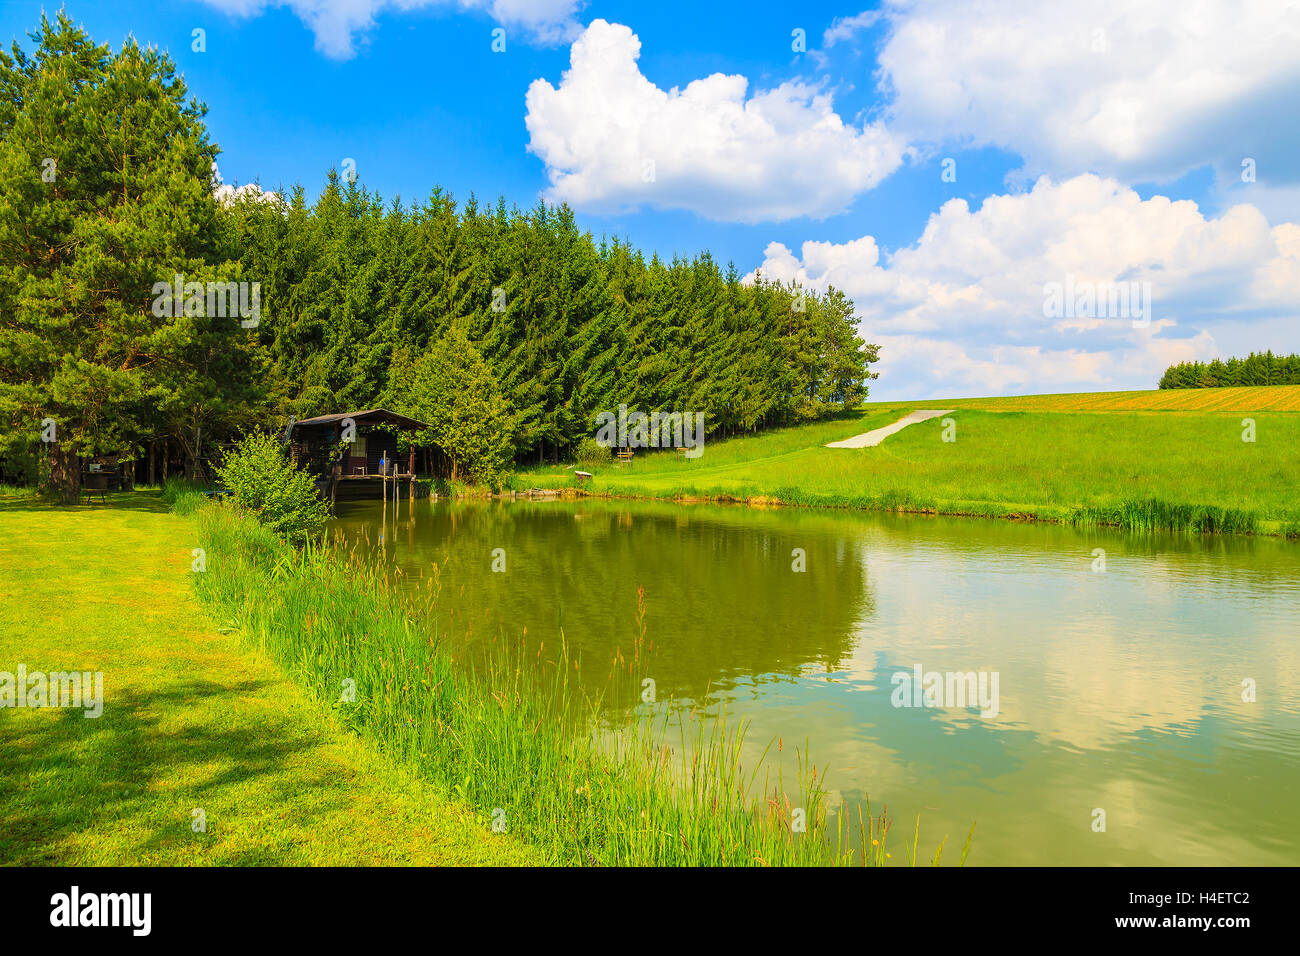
(370, 467)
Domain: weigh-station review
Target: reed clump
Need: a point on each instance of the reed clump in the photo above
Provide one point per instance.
(1152, 514)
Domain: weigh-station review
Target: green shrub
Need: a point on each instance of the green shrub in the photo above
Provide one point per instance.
(266, 484)
(592, 452)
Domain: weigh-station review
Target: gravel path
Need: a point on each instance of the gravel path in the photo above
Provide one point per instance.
(876, 436)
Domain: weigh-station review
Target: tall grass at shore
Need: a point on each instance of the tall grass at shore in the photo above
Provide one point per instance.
(1152, 514)
(514, 735)
(183, 495)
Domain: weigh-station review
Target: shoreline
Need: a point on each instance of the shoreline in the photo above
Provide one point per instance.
(1264, 528)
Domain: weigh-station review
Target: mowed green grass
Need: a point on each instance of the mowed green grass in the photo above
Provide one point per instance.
(1045, 459)
(192, 719)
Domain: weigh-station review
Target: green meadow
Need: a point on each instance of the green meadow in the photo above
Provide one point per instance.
(193, 718)
(1179, 468)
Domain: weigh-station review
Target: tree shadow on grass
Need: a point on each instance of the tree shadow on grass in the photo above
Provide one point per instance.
(65, 779)
(147, 501)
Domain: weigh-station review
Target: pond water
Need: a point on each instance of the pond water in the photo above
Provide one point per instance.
(1121, 661)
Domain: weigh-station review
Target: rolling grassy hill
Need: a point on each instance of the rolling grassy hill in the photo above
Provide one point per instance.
(1169, 459)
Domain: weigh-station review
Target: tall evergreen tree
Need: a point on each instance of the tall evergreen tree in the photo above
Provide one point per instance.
(105, 190)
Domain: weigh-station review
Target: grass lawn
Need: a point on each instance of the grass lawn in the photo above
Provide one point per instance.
(1047, 456)
(192, 719)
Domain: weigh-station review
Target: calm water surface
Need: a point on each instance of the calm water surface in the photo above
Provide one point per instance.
(1118, 690)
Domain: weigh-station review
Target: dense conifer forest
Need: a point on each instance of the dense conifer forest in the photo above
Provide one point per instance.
(456, 311)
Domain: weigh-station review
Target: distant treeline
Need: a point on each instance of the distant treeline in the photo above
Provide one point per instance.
(1259, 368)
(140, 315)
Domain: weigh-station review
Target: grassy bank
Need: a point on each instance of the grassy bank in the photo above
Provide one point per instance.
(192, 719)
(1172, 460)
(517, 737)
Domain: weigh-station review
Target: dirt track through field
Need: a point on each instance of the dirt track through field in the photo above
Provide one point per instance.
(876, 436)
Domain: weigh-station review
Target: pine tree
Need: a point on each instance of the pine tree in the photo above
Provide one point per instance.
(105, 148)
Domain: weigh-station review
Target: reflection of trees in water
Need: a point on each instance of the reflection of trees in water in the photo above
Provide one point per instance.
(723, 603)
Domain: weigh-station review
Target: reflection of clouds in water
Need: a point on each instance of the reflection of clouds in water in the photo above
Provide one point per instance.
(1124, 692)
(1149, 644)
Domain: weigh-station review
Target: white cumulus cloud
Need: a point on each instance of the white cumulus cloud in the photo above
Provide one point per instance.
(229, 195)
(336, 24)
(611, 139)
(964, 309)
(846, 28)
(1140, 91)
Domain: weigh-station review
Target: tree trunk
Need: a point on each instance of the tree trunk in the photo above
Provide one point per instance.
(197, 468)
(65, 474)
(153, 474)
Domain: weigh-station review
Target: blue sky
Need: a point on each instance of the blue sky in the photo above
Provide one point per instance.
(425, 101)
(824, 164)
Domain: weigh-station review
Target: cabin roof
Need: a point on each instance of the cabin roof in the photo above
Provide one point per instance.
(362, 417)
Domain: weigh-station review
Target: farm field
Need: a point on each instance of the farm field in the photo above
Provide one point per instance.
(1262, 398)
(1160, 458)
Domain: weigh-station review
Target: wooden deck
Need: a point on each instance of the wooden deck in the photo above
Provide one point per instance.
(361, 487)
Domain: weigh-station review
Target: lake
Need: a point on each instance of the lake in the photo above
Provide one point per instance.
(1120, 661)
